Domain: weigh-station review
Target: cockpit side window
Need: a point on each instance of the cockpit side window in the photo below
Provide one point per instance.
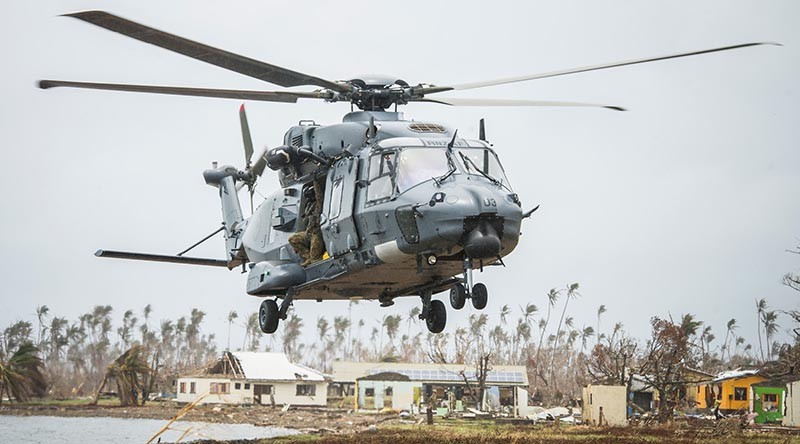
(381, 176)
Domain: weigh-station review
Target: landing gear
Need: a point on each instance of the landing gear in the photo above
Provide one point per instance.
(268, 316)
(434, 313)
(480, 295)
(458, 296)
(437, 317)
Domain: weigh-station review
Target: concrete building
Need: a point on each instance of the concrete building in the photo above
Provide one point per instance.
(255, 378)
(605, 405)
(792, 417)
(407, 386)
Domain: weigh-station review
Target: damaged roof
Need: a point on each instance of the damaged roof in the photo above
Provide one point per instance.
(274, 367)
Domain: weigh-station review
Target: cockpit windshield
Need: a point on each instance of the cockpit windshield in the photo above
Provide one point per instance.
(483, 162)
(393, 172)
(417, 165)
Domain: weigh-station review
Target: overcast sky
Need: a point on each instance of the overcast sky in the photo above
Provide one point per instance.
(686, 203)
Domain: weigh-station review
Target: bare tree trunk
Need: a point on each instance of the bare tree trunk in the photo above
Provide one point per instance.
(99, 389)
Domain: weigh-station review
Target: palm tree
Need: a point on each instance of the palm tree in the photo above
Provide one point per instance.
(413, 317)
(572, 292)
(600, 310)
(761, 307)
(391, 324)
(22, 376)
(129, 371)
(770, 319)
(586, 333)
(731, 326)
(232, 315)
(505, 310)
(41, 313)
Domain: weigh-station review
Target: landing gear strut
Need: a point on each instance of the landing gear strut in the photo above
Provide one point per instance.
(434, 313)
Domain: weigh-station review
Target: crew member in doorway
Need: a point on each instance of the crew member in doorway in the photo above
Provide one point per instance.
(309, 244)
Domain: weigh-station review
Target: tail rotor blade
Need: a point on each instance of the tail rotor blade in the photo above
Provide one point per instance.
(246, 138)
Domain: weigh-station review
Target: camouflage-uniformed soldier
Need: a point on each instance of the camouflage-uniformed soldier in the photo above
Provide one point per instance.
(309, 244)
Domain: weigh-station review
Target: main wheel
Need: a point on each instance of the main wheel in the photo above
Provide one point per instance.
(458, 296)
(437, 317)
(480, 295)
(268, 316)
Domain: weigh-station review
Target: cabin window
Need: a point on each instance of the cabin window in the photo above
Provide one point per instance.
(306, 390)
(183, 387)
(740, 393)
(192, 387)
(336, 199)
(381, 176)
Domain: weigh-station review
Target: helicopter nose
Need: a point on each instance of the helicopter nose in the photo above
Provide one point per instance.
(482, 242)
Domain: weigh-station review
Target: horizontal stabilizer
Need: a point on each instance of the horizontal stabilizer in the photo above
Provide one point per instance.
(162, 258)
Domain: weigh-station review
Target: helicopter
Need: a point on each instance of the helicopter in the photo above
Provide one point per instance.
(393, 207)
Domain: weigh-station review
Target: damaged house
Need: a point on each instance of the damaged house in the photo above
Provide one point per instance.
(254, 378)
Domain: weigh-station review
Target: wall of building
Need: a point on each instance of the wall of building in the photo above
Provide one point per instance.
(611, 398)
(728, 388)
(284, 392)
(402, 397)
(792, 417)
(202, 386)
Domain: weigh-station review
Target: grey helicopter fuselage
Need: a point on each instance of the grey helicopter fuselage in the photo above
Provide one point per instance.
(402, 212)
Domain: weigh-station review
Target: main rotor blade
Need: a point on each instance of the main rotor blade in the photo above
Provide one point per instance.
(248, 141)
(598, 67)
(239, 94)
(224, 59)
(510, 102)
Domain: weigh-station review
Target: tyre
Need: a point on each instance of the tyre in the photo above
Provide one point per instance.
(458, 296)
(268, 316)
(437, 317)
(480, 296)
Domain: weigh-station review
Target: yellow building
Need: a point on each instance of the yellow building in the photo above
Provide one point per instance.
(731, 389)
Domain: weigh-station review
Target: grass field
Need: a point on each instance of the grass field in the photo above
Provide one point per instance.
(487, 432)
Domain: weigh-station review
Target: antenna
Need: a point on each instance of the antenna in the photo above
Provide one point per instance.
(482, 131)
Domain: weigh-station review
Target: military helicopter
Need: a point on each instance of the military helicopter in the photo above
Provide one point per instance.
(408, 209)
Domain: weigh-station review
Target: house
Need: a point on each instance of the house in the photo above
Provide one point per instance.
(731, 389)
(768, 400)
(254, 378)
(406, 386)
(605, 405)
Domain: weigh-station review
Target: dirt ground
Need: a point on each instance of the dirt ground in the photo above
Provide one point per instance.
(312, 420)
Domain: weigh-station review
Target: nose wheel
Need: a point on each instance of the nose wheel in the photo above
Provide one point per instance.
(460, 292)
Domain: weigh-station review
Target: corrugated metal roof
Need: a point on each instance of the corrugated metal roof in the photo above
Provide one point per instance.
(731, 374)
(274, 367)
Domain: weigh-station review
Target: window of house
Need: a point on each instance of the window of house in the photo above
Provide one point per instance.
(740, 393)
(369, 392)
(192, 387)
(770, 397)
(219, 388)
(306, 390)
(238, 386)
(183, 387)
(247, 386)
(388, 391)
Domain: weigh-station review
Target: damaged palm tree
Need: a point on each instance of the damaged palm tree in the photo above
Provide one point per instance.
(130, 372)
(21, 376)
